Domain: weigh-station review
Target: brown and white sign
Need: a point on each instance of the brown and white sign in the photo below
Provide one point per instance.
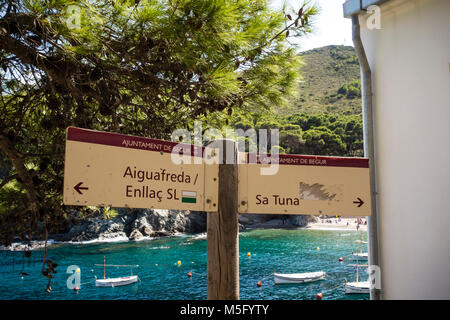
(110, 169)
(306, 185)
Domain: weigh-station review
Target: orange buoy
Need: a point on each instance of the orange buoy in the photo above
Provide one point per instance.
(259, 284)
(189, 274)
(319, 296)
(341, 259)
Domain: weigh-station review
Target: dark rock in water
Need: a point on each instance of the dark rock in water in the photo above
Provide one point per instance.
(196, 222)
(274, 221)
(300, 220)
(26, 247)
(100, 228)
(135, 235)
(136, 224)
(146, 231)
(255, 219)
(141, 223)
(161, 234)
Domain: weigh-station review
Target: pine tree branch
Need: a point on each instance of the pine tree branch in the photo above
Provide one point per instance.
(17, 161)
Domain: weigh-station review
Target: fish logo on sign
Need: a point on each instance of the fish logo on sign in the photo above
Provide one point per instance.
(189, 196)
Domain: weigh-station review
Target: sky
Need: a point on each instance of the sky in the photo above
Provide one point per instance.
(330, 26)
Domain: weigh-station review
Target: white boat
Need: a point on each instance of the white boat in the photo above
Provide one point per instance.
(360, 256)
(298, 277)
(115, 282)
(357, 287)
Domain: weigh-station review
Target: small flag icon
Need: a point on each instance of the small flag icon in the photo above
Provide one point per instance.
(189, 196)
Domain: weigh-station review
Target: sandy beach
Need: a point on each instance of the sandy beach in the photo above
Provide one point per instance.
(338, 224)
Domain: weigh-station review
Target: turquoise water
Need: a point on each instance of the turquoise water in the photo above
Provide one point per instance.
(288, 251)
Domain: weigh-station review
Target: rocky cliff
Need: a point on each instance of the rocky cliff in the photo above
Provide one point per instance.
(136, 224)
(141, 223)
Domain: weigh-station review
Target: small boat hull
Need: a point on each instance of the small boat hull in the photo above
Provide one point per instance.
(116, 282)
(357, 287)
(360, 256)
(280, 278)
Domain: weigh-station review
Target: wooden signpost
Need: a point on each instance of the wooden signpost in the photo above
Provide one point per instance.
(110, 169)
(223, 230)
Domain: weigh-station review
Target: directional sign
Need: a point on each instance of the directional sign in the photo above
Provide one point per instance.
(306, 185)
(110, 169)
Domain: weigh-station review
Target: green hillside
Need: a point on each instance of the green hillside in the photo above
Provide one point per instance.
(326, 117)
(330, 82)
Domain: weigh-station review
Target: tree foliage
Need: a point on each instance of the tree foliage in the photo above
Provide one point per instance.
(316, 134)
(136, 67)
(351, 90)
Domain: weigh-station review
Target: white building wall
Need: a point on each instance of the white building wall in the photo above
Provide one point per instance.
(410, 62)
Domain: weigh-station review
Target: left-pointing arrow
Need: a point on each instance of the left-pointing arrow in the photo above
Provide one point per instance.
(78, 187)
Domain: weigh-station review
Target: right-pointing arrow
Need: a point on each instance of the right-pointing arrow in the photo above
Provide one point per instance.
(78, 188)
(359, 201)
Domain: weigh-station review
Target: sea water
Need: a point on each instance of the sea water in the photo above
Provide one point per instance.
(162, 277)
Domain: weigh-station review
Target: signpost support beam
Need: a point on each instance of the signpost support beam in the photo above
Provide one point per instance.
(223, 229)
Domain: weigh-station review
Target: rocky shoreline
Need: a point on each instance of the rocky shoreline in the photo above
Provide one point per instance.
(152, 223)
(140, 224)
